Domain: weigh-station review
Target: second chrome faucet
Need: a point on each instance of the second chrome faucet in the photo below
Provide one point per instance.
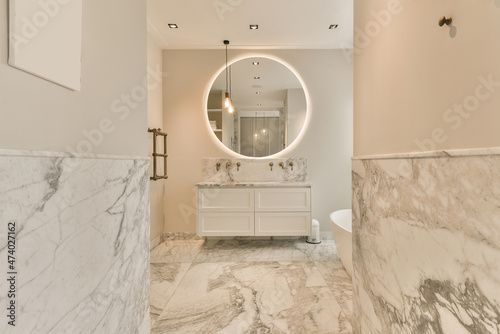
(281, 164)
(238, 165)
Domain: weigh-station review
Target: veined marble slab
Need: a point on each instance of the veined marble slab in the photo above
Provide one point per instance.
(181, 251)
(82, 242)
(180, 236)
(426, 244)
(154, 242)
(434, 154)
(275, 184)
(165, 277)
(47, 154)
(337, 278)
(254, 170)
(252, 297)
(261, 270)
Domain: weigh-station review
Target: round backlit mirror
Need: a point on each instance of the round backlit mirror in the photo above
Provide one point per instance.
(269, 107)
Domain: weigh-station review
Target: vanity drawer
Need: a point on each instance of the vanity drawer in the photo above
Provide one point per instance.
(225, 224)
(225, 200)
(283, 223)
(282, 199)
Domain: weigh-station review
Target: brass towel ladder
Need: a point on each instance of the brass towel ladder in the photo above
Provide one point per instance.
(156, 133)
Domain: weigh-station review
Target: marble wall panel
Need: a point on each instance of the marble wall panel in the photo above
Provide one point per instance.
(81, 242)
(426, 243)
(256, 170)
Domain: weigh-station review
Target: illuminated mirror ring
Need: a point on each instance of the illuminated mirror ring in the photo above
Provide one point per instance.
(266, 110)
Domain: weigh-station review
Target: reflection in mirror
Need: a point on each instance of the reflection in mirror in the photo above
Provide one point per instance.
(270, 107)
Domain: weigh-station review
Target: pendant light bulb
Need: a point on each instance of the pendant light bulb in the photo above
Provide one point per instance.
(227, 101)
(230, 109)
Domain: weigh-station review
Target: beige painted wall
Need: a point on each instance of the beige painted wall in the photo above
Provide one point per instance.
(416, 87)
(155, 120)
(54, 118)
(297, 110)
(327, 142)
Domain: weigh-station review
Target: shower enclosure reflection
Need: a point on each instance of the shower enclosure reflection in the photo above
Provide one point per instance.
(270, 107)
(261, 135)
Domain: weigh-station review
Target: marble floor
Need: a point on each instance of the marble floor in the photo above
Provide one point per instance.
(248, 286)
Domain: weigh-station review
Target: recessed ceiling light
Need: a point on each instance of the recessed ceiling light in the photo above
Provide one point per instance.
(255, 63)
(333, 26)
(254, 26)
(257, 92)
(259, 104)
(173, 25)
(256, 78)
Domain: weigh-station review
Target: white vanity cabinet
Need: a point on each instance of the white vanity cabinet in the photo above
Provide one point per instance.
(282, 211)
(225, 212)
(254, 210)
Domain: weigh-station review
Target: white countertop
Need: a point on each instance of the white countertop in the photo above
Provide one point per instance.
(272, 184)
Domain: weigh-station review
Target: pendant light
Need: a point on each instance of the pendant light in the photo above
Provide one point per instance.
(255, 127)
(228, 103)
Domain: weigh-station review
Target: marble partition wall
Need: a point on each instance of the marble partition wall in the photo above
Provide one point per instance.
(426, 243)
(81, 255)
(254, 170)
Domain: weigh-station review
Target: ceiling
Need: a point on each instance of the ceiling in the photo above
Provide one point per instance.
(283, 24)
(258, 87)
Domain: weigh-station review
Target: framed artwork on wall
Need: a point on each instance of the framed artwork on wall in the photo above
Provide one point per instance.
(45, 39)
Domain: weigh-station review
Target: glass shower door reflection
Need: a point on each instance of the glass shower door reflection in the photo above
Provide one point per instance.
(259, 136)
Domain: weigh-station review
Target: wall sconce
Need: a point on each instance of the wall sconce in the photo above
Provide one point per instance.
(443, 20)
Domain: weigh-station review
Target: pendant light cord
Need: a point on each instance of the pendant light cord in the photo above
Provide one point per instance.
(226, 69)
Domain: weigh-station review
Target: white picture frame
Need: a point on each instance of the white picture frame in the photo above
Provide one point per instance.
(45, 39)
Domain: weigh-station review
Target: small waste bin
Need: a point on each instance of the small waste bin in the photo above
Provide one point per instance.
(314, 237)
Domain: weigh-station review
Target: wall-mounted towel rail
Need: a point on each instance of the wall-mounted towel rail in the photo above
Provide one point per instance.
(164, 155)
